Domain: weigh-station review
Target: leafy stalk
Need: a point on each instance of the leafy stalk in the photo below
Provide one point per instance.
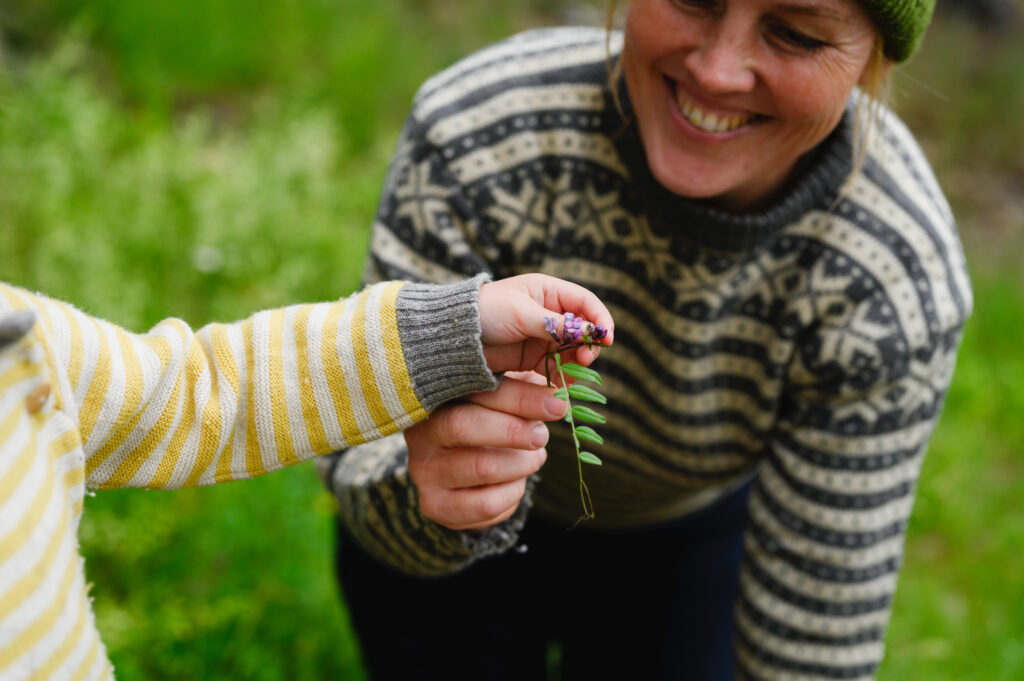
(577, 333)
(564, 393)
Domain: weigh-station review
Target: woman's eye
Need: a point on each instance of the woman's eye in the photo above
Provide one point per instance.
(697, 4)
(795, 39)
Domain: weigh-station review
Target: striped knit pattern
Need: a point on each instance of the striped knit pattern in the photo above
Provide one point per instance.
(84, 403)
(809, 347)
(46, 621)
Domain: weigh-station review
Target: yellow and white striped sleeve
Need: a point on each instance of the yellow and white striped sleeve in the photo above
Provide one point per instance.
(175, 407)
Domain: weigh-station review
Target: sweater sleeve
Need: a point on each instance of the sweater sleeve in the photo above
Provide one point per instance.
(831, 502)
(426, 230)
(175, 407)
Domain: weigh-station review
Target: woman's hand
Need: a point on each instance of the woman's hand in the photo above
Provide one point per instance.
(470, 459)
(512, 315)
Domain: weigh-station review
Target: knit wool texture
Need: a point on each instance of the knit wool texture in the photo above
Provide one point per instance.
(902, 24)
(436, 321)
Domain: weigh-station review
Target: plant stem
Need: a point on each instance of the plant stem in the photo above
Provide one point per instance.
(588, 504)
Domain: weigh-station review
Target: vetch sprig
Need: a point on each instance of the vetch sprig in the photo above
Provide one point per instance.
(576, 332)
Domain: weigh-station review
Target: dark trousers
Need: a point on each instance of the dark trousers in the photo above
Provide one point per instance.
(654, 603)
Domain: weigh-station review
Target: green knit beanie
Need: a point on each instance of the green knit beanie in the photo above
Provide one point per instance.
(902, 24)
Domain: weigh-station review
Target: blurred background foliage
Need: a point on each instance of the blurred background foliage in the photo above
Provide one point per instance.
(207, 158)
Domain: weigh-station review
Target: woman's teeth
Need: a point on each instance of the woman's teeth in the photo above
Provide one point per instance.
(709, 122)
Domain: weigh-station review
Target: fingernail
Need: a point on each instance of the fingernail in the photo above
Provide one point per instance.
(542, 456)
(555, 407)
(540, 436)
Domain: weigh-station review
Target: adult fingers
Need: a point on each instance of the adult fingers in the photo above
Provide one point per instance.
(466, 424)
(525, 396)
(474, 508)
(451, 469)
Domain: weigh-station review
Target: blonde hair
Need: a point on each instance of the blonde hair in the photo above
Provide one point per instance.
(614, 72)
(870, 105)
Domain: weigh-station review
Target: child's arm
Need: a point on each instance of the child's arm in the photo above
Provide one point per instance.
(175, 407)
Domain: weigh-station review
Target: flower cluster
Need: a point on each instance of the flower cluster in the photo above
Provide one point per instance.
(574, 330)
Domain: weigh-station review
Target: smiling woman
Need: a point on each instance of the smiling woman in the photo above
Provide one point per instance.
(730, 95)
(788, 302)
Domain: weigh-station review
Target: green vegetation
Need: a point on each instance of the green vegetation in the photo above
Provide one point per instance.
(206, 159)
(958, 611)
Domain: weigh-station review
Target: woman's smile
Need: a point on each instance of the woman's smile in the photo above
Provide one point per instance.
(709, 118)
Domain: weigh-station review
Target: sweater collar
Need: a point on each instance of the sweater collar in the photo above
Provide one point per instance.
(697, 223)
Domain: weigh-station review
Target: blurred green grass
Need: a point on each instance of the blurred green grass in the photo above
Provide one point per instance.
(207, 159)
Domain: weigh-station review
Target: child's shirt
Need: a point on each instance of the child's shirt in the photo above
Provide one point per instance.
(85, 404)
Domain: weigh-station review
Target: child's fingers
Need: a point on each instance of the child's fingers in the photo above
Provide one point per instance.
(514, 309)
(585, 355)
(563, 296)
(516, 356)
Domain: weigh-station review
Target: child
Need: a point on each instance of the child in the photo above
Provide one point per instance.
(83, 403)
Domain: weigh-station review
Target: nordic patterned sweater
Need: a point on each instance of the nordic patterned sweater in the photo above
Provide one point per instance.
(808, 347)
(84, 404)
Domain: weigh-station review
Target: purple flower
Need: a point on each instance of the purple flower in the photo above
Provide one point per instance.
(551, 326)
(573, 329)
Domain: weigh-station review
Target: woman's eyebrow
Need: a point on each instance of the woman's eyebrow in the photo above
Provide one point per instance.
(814, 11)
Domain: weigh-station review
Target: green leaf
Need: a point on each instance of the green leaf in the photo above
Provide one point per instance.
(581, 373)
(582, 392)
(587, 414)
(561, 393)
(588, 433)
(587, 457)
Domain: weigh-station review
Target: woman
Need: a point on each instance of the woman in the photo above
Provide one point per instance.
(789, 292)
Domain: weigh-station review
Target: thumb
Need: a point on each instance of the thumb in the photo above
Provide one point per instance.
(526, 320)
(510, 315)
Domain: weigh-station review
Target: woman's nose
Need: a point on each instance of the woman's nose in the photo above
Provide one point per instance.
(723, 62)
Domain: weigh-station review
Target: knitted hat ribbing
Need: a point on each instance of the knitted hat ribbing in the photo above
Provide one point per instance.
(902, 23)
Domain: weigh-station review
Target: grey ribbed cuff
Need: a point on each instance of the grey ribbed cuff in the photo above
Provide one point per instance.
(439, 326)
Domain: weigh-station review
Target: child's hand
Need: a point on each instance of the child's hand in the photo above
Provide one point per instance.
(512, 313)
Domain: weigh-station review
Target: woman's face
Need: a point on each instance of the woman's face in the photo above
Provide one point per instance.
(729, 94)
